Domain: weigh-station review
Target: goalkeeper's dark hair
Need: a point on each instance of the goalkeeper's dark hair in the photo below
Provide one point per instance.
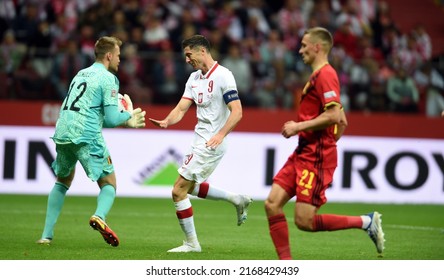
(105, 45)
(196, 41)
(322, 35)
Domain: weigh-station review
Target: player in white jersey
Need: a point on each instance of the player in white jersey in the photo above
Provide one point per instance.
(212, 88)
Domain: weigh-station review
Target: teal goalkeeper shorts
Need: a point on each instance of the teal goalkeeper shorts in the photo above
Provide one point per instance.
(94, 158)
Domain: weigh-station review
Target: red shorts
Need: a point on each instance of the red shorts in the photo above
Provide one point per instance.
(304, 180)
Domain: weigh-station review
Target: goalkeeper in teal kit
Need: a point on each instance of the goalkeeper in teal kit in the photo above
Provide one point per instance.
(91, 104)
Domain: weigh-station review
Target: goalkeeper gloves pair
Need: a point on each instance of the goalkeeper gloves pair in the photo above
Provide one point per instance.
(137, 119)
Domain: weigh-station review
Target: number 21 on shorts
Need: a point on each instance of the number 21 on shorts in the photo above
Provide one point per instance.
(306, 180)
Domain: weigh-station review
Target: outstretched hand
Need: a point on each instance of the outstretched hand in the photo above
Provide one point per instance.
(158, 123)
(137, 119)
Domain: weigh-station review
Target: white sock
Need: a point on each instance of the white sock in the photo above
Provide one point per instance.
(204, 190)
(366, 220)
(184, 212)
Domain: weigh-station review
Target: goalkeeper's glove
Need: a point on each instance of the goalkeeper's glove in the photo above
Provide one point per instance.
(137, 119)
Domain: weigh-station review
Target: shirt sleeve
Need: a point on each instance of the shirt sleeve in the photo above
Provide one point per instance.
(113, 117)
(110, 90)
(328, 88)
(229, 88)
(188, 93)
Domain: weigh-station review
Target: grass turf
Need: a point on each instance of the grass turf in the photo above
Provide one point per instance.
(148, 227)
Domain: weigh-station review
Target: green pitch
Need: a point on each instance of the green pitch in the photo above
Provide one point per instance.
(148, 227)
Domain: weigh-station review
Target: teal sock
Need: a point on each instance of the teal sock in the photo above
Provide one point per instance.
(105, 201)
(56, 198)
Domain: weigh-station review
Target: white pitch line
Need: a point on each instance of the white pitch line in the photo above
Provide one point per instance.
(413, 227)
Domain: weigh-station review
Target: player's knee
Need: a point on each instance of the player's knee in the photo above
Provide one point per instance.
(181, 188)
(303, 223)
(108, 179)
(268, 206)
(178, 193)
(271, 208)
(67, 181)
(174, 194)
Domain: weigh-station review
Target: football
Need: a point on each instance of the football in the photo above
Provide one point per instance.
(123, 106)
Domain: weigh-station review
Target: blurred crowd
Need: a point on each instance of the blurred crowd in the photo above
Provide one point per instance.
(45, 42)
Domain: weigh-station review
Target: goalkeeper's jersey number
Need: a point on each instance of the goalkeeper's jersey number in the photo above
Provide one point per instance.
(82, 87)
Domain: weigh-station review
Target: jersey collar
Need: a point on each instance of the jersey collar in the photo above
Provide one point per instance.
(208, 74)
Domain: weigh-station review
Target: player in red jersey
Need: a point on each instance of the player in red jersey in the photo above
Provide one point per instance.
(309, 170)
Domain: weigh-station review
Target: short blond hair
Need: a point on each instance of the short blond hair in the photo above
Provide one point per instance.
(323, 35)
(106, 44)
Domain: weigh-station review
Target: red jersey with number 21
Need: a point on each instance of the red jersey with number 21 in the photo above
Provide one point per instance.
(320, 92)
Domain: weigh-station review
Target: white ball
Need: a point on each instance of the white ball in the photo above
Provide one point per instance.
(123, 106)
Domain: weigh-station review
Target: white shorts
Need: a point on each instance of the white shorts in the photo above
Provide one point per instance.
(200, 162)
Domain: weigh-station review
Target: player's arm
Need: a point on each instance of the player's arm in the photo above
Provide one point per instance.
(175, 115)
(134, 118)
(235, 108)
(331, 116)
(113, 117)
(340, 127)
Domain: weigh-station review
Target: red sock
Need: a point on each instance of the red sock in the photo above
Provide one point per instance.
(279, 234)
(203, 190)
(183, 214)
(328, 222)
